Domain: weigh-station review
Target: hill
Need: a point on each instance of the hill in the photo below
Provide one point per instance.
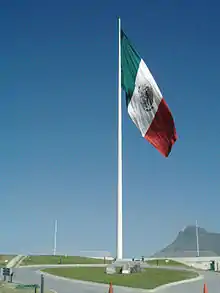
(185, 244)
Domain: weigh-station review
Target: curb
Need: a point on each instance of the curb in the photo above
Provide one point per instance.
(44, 266)
(196, 279)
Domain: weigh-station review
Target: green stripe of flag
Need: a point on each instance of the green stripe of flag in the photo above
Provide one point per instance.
(130, 61)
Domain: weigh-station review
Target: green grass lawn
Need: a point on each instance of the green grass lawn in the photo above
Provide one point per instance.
(51, 259)
(148, 279)
(162, 262)
(4, 257)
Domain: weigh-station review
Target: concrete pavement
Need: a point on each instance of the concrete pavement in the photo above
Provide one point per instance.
(61, 285)
(14, 261)
(31, 275)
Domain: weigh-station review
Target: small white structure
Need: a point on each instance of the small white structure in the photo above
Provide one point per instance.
(126, 269)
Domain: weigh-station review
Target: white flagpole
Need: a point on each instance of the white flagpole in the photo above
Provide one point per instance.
(197, 239)
(55, 238)
(119, 200)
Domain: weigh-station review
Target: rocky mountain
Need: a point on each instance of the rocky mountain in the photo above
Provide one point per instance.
(185, 244)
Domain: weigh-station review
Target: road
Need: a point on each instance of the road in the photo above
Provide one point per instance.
(31, 275)
(210, 278)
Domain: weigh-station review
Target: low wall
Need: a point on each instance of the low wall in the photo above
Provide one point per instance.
(202, 262)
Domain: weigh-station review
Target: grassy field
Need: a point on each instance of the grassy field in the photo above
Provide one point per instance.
(162, 262)
(51, 259)
(4, 257)
(148, 279)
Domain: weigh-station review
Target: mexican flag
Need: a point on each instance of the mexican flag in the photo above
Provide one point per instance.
(146, 105)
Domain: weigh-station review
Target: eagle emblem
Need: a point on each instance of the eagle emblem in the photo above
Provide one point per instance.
(146, 96)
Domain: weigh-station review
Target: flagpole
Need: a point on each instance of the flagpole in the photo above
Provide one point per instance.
(197, 239)
(55, 238)
(119, 199)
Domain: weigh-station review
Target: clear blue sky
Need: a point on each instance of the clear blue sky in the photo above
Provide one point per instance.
(58, 119)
